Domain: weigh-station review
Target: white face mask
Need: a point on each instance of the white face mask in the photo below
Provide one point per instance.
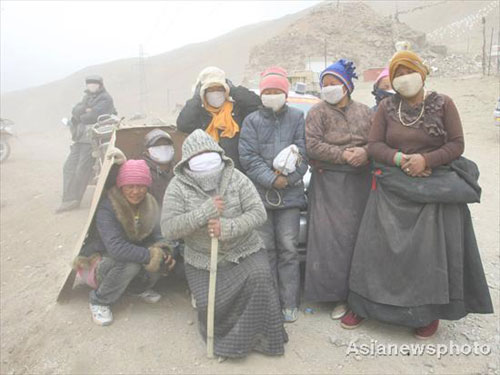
(93, 87)
(161, 154)
(275, 102)
(408, 85)
(215, 98)
(333, 94)
(205, 162)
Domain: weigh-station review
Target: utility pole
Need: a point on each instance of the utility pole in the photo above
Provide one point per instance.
(325, 52)
(483, 20)
(143, 88)
(491, 46)
(497, 52)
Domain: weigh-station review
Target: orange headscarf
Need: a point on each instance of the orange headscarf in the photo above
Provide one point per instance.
(222, 119)
(409, 59)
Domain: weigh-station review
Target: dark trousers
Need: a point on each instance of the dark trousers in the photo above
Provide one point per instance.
(77, 171)
(280, 235)
(114, 277)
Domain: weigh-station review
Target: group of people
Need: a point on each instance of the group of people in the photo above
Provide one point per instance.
(390, 236)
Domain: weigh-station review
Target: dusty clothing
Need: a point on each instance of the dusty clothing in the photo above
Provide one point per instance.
(438, 135)
(123, 238)
(161, 179)
(280, 235)
(329, 131)
(247, 310)
(337, 197)
(264, 134)
(77, 171)
(119, 235)
(99, 103)
(187, 209)
(416, 258)
(194, 116)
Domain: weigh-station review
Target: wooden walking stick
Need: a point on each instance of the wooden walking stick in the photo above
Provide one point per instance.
(211, 297)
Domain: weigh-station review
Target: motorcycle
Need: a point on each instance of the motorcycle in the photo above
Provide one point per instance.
(99, 135)
(6, 132)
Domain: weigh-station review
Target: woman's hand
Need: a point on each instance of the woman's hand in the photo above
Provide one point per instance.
(219, 204)
(426, 173)
(281, 182)
(214, 228)
(169, 261)
(414, 165)
(355, 156)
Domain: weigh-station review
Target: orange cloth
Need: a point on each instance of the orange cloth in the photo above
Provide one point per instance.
(409, 59)
(222, 119)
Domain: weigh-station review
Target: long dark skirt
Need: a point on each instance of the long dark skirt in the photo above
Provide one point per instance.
(247, 309)
(337, 199)
(416, 262)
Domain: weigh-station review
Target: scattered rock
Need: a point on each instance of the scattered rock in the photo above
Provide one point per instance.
(190, 322)
(337, 342)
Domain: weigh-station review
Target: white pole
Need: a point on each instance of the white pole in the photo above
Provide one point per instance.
(211, 297)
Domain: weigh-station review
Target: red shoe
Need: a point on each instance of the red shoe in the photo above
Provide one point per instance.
(351, 321)
(424, 333)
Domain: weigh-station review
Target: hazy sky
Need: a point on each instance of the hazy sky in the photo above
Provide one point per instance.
(43, 41)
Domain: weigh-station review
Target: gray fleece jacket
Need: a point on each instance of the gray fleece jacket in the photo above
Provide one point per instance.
(187, 209)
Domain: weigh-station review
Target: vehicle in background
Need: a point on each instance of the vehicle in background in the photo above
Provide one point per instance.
(6, 132)
(496, 113)
(303, 102)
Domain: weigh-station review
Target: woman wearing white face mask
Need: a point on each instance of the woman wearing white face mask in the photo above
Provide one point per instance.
(159, 156)
(265, 134)
(219, 108)
(416, 259)
(336, 136)
(209, 198)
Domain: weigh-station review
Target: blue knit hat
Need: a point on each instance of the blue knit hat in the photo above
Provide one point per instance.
(343, 70)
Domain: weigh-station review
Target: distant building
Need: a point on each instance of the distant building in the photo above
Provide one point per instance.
(308, 77)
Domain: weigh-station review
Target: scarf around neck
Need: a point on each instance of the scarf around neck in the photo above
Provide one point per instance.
(222, 120)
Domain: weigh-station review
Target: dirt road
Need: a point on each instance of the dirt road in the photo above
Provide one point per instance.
(39, 336)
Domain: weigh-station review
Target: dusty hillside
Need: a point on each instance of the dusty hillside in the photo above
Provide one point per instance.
(169, 78)
(353, 30)
(356, 31)
(457, 23)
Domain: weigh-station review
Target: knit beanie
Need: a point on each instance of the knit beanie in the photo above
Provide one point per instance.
(344, 70)
(384, 73)
(134, 172)
(212, 76)
(409, 59)
(274, 78)
(93, 79)
(154, 136)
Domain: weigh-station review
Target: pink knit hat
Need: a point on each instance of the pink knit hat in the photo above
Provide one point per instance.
(134, 172)
(383, 73)
(274, 78)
